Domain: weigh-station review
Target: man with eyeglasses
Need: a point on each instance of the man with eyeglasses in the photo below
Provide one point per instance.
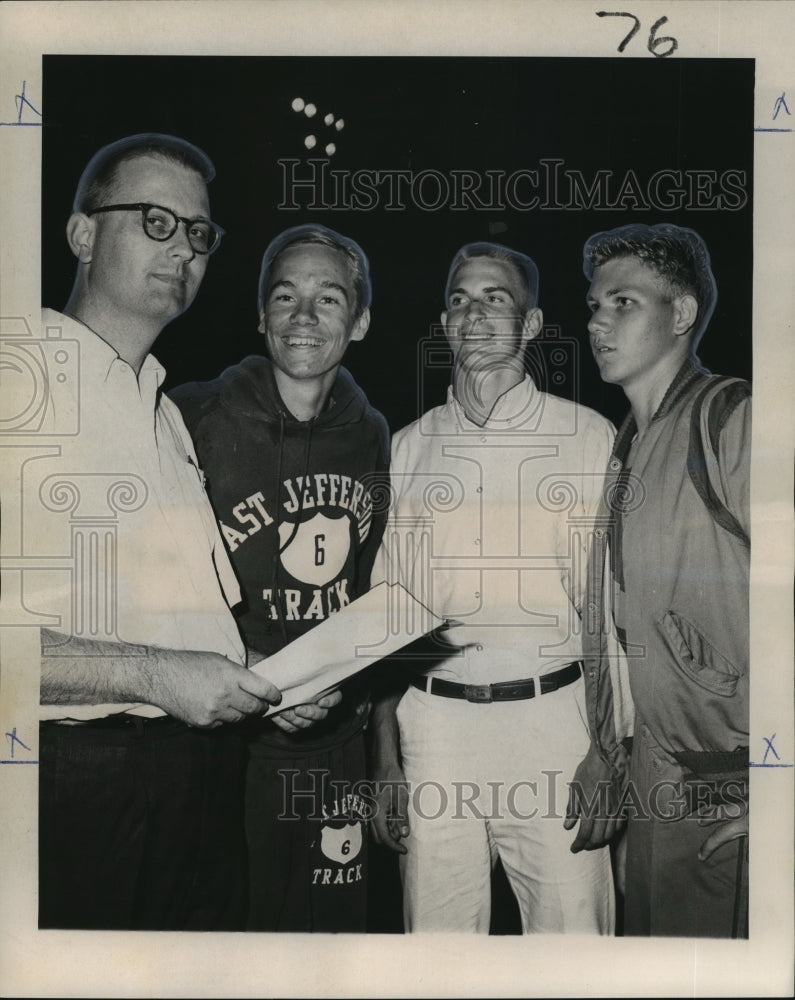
(143, 667)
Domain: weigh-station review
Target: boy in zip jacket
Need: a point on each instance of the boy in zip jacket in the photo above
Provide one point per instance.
(295, 457)
(674, 563)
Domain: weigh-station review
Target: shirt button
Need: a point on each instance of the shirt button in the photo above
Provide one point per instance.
(615, 465)
(477, 593)
(592, 606)
(479, 489)
(477, 541)
(479, 648)
(598, 532)
(483, 440)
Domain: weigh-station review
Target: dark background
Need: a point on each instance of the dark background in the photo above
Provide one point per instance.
(413, 114)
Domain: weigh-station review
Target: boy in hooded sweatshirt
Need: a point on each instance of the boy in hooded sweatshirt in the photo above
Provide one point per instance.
(296, 460)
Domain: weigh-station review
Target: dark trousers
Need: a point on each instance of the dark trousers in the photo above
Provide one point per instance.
(141, 827)
(669, 892)
(307, 839)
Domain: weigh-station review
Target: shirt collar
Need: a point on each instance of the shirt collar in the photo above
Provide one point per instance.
(96, 355)
(512, 409)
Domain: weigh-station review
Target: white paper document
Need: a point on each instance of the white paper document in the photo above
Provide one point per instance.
(370, 628)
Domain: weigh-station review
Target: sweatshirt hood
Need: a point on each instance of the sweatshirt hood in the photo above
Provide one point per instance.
(249, 389)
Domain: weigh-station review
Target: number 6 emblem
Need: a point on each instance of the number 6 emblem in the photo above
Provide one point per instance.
(341, 845)
(319, 549)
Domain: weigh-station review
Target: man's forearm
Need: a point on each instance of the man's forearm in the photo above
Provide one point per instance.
(202, 688)
(78, 671)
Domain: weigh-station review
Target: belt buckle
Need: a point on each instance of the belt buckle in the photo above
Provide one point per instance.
(478, 693)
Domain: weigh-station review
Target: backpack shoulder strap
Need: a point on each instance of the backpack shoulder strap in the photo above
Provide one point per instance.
(711, 409)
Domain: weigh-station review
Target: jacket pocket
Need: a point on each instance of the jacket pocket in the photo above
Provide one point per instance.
(697, 657)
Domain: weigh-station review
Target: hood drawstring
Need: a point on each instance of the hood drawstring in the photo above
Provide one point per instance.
(296, 523)
(275, 602)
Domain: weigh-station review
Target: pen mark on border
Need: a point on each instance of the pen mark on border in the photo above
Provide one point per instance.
(769, 748)
(781, 103)
(22, 102)
(13, 740)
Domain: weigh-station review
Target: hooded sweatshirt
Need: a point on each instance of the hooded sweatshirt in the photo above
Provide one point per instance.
(301, 505)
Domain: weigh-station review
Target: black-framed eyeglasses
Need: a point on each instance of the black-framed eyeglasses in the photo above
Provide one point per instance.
(161, 223)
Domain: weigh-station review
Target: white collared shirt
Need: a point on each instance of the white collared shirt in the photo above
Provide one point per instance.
(490, 526)
(115, 514)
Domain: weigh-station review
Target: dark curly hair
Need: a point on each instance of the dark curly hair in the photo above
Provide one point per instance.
(678, 255)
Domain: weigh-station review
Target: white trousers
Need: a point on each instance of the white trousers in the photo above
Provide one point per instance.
(488, 781)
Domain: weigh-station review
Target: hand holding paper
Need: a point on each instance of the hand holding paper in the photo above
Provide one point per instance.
(293, 720)
(370, 628)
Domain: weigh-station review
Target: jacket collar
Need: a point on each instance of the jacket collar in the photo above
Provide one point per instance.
(691, 372)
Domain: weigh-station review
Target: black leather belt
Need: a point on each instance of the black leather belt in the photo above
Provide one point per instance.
(502, 691)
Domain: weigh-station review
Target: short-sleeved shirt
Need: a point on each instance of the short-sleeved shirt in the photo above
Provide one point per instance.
(116, 527)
